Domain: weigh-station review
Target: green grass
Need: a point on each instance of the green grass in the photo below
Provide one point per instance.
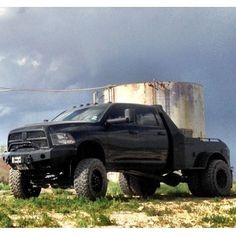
(179, 191)
(233, 190)
(151, 211)
(33, 212)
(218, 221)
(232, 211)
(5, 221)
(4, 186)
(44, 220)
(62, 202)
(57, 208)
(114, 189)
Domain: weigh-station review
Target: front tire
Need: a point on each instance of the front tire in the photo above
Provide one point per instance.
(90, 179)
(20, 185)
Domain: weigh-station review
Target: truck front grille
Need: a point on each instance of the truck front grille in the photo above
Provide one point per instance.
(36, 138)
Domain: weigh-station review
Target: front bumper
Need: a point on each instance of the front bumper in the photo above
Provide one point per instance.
(25, 160)
(41, 158)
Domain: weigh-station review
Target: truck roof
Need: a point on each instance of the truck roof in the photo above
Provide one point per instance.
(120, 103)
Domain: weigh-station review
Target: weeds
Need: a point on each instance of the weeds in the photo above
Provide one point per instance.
(114, 189)
(101, 220)
(62, 207)
(93, 219)
(25, 222)
(5, 221)
(84, 222)
(44, 220)
(217, 199)
(47, 221)
(219, 221)
(4, 186)
(232, 211)
(188, 208)
(151, 211)
(179, 191)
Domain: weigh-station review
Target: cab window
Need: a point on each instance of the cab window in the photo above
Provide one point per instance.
(116, 111)
(145, 117)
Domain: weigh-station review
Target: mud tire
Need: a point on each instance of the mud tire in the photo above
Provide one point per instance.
(90, 179)
(20, 185)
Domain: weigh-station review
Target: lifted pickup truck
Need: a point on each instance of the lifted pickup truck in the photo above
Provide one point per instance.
(79, 147)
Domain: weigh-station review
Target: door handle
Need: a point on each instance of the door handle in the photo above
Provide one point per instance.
(133, 131)
(161, 133)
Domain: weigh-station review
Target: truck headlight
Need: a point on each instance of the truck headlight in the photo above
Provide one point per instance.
(62, 139)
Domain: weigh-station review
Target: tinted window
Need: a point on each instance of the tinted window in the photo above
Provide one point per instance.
(91, 114)
(116, 112)
(145, 116)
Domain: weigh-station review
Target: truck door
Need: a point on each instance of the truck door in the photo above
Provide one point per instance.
(152, 136)
(121, 138)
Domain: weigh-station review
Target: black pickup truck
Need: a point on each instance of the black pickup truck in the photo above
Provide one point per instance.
(80, 145)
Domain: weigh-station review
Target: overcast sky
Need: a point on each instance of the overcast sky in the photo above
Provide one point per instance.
(59, 48)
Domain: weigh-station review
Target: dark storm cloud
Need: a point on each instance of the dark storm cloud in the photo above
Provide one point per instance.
(83, 47)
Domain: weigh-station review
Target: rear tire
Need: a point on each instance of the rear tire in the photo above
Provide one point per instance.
(217, 179)
(20, 185)
(90, 179)
(124, 182)
(143, 187)
(195, 184)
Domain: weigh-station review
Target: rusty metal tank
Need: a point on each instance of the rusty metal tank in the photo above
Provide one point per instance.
(183, 101)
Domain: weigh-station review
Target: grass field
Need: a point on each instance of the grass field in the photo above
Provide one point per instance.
(170, 207)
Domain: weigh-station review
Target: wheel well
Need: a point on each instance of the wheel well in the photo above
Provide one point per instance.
(216, 156)
(90, 149)
(204, 159)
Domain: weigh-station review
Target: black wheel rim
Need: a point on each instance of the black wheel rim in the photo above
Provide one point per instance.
(221, 178)
(96, 181)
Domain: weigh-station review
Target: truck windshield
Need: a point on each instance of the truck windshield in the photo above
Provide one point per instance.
(91, 114)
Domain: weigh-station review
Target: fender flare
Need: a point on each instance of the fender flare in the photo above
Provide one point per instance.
(203, 159)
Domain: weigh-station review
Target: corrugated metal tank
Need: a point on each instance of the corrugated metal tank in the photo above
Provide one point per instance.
(183, 101)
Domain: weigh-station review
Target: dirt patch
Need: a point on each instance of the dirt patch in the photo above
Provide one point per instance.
(131, 219)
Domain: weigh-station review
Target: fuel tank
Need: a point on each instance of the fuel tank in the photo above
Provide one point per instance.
(182, 101)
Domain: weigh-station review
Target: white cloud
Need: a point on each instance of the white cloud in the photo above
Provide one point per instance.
(3, 11)
(11, 12)
(27, 60)
(22, 61)
(35, 63)
(2, 58)
(54, 66)
(4, 110)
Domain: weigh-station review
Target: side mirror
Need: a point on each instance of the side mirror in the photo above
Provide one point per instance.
(129, 115)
